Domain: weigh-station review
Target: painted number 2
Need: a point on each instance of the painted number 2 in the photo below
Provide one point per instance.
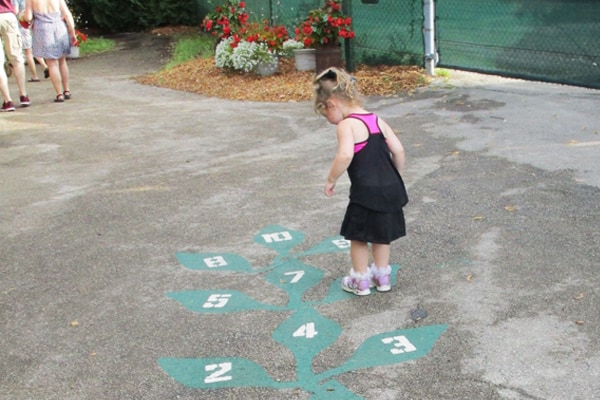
(401, 344)
(219, 372)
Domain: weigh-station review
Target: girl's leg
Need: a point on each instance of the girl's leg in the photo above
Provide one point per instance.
(359, 279)
(55, 76)
(381, 254)
(359, 252)
(381, 270)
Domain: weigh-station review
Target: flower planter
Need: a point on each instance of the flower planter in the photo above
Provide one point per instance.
(328, 56)
(267, 68)
(74, 52)
(305, 59)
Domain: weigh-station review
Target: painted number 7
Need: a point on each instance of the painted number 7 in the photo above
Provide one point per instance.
(401, 344)
(297, 275)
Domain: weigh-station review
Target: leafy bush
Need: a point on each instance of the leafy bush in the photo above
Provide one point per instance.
(133, 15)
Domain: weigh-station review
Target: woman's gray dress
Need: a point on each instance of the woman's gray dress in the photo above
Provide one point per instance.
(50, 36)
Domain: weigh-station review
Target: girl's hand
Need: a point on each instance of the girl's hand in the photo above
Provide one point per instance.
(329, 189)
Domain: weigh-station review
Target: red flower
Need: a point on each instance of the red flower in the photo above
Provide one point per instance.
(325, 25)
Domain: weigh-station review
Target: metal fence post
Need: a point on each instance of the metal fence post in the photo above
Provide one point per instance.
(431, 56)
(348, 43)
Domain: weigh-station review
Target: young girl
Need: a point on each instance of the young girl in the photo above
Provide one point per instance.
(373, 156)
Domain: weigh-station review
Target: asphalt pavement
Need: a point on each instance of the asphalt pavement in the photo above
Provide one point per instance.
(157, 244)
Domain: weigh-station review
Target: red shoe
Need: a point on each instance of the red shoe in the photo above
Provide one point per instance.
(8, 106)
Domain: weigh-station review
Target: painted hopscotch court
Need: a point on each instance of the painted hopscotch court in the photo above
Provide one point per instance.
(305, 332)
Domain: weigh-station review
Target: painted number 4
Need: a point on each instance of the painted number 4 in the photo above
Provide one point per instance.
(401, 344)
(307, 330)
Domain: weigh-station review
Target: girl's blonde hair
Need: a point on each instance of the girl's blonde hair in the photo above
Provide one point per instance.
(335, 82)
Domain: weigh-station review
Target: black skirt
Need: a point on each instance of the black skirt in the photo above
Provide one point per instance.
(370, 226)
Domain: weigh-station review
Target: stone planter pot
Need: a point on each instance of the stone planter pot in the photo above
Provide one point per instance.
(328, 56)
(267, 68)
(305, 59)
(74, 52)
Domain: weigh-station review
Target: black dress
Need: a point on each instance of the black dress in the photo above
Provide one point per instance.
(377, 192)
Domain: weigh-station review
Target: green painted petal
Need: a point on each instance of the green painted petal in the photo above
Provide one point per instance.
(306, 333)
(395, 347)
(295, 278)
(333, 390)
(209, 373)
(214, 261)
(218, 301)
(336, 244)
(278, 238)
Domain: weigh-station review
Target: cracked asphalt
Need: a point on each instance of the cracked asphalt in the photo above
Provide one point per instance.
(99, 194)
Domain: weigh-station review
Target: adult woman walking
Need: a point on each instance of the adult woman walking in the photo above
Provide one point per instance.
(53, 34)
(27, 44)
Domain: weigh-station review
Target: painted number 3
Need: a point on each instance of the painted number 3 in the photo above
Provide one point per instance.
(401, 344)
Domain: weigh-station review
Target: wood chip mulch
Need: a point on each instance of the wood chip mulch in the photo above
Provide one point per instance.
(203, 77)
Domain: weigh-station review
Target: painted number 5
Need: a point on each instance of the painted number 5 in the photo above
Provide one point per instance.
(216, 301)
(401, 344)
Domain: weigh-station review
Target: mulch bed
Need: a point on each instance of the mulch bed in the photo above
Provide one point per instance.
(203, 77)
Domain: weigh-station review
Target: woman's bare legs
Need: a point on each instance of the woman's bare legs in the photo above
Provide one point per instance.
(55, 77)
(59, 74)
(31, 63)
(42, 62)
(64, 73)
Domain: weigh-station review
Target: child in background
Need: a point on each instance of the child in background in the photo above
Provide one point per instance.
(25, 30)
(372, 154)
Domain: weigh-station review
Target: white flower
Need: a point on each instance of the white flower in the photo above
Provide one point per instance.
(245, 56)
(223, 53)
(292, 44)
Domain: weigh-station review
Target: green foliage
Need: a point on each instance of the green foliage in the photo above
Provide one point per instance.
(190, 47)
(133, 15)
(96, 45)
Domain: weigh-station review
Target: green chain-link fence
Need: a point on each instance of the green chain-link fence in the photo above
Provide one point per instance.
(547, 40)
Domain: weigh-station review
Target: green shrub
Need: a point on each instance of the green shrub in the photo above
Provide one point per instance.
(133, 15)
